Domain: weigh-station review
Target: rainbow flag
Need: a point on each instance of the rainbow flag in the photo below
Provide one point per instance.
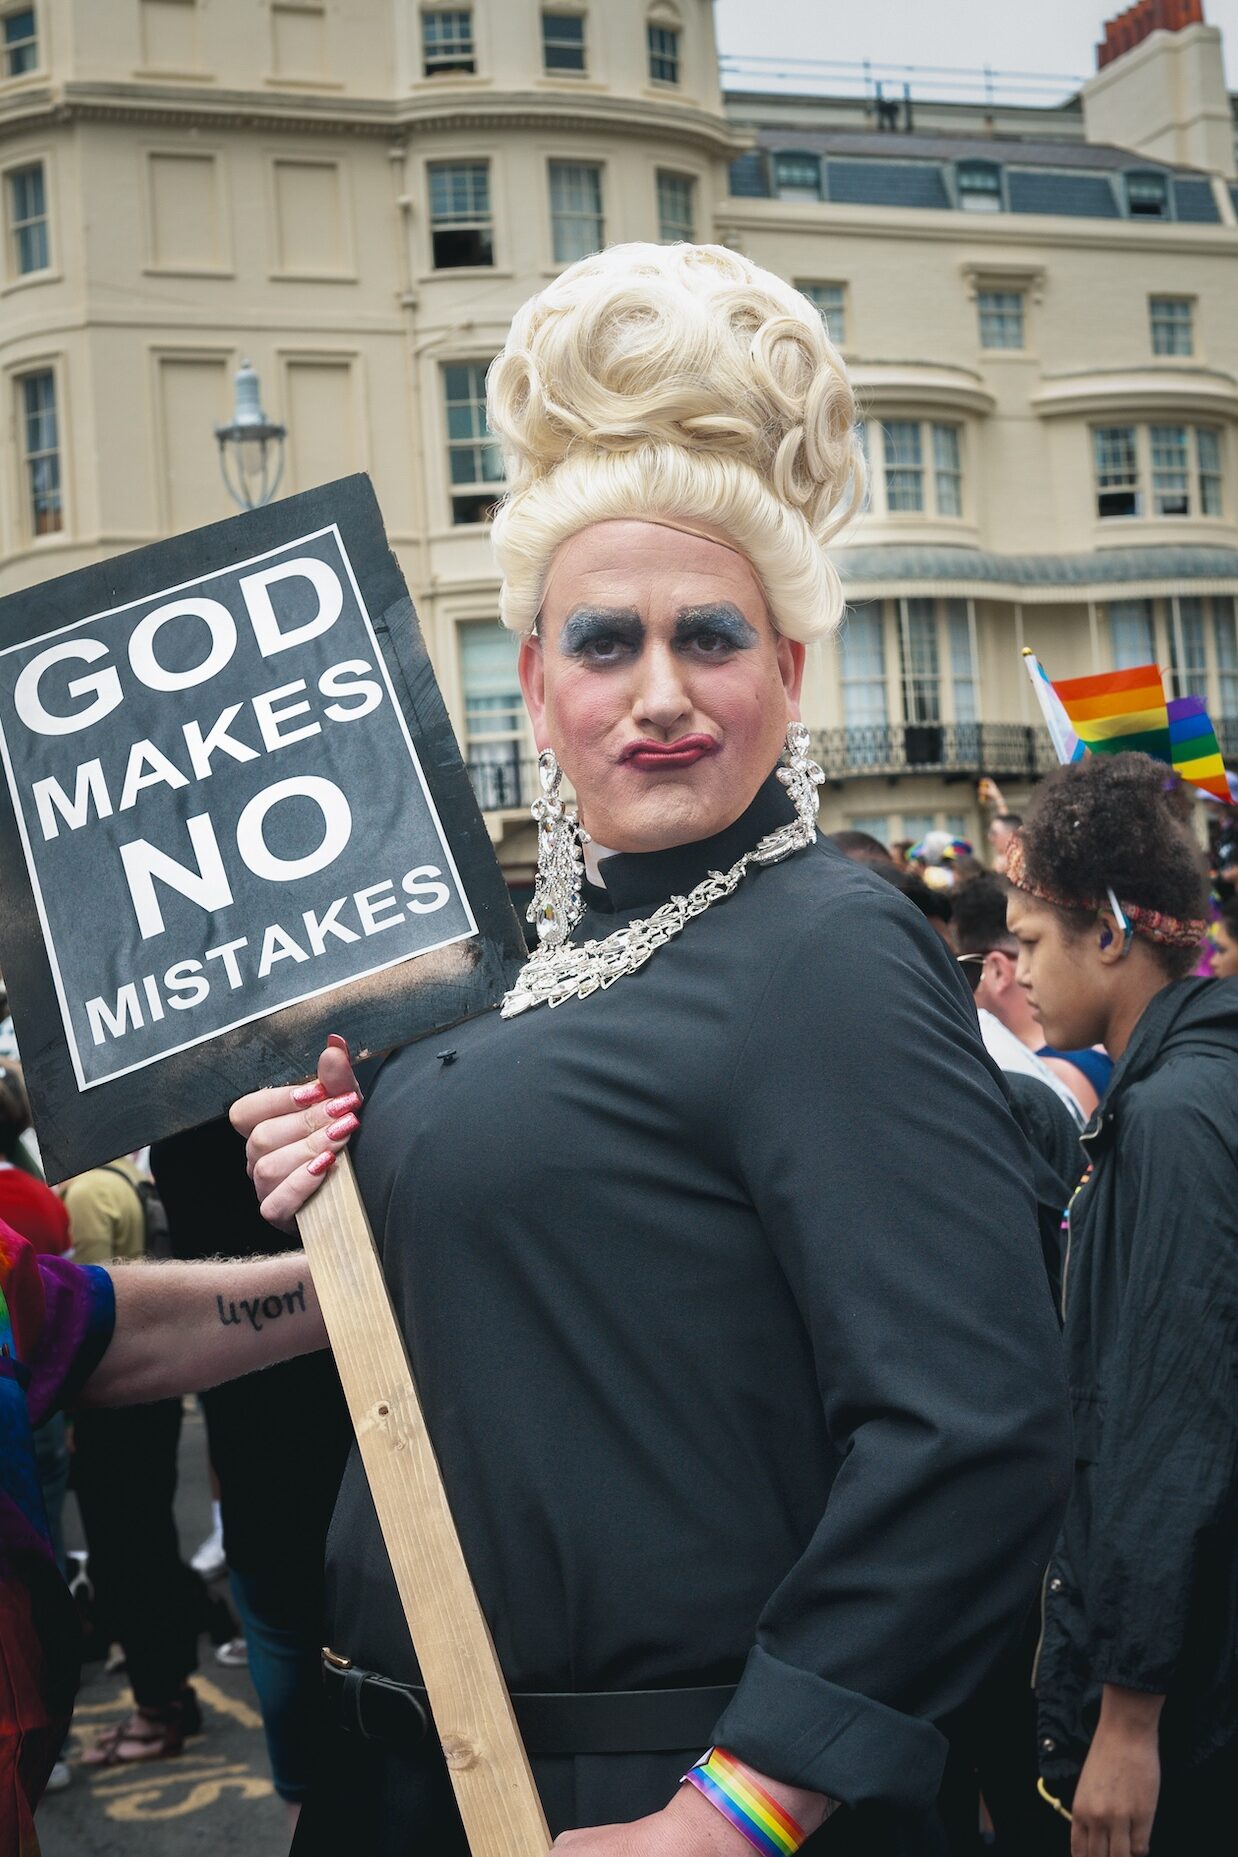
(1194, 749)
(1119, 712)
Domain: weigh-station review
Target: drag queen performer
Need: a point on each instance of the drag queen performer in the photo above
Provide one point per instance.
(721, 1281)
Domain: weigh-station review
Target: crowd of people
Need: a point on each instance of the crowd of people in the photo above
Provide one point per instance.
(825, 1318)
(276, 1443)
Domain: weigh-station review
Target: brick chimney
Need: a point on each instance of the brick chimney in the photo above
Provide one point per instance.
(1131, 27)
(1159, 88)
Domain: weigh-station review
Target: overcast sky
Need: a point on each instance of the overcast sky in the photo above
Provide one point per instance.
(1014, 36)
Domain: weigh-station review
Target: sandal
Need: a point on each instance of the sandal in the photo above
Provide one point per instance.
(148, 1734)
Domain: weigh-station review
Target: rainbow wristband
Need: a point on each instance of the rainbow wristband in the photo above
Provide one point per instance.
(752, 1811)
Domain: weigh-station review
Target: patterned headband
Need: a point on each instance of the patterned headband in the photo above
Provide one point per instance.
(1172, 931)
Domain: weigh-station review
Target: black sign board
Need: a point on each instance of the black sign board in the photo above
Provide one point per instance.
(234, 818)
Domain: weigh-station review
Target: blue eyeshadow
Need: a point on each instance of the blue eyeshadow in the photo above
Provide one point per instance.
(584, 625)
(724, 620)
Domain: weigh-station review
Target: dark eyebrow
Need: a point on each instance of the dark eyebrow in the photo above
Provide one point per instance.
(585, 623)
(718, 616)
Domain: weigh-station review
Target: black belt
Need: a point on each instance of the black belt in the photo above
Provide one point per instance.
(623, 1721)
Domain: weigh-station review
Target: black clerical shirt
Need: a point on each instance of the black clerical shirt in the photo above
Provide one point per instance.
(724, 1296)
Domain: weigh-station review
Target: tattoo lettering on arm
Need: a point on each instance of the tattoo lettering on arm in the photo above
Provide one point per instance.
(260, 1309)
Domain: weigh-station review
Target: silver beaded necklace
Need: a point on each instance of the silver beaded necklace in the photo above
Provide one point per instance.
(558, 971)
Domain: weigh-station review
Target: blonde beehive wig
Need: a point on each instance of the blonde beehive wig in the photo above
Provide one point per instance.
(683, 384)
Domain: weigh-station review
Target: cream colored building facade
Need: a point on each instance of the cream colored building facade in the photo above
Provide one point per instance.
(355, 195)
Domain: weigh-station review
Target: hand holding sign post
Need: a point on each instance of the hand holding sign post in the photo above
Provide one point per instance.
(237, 819)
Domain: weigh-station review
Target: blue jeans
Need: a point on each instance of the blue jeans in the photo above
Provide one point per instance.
(282, 1616)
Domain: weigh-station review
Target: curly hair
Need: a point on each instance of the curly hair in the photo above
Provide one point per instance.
(1119, 821)
(676, 381)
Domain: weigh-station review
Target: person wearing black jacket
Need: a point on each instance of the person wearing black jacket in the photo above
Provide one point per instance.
(1136, 1677)
(720, 1281)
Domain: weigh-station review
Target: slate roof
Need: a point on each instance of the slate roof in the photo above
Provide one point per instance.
(1081, 196)
(888, 183)
(901, 561)
(1074, 180)
(1007, 150)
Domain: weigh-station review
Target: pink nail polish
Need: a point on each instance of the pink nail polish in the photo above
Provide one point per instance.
(340, 1131)
(321, 1162)
(341, 1044)
(308, 1093)
(340, 1105)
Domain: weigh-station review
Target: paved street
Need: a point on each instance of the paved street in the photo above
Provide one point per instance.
(217, 1795)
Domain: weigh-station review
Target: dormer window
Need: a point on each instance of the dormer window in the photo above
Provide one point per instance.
(797, 175)
(979, 186)
(1147, 195)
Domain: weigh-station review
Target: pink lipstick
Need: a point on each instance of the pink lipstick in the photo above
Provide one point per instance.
(661, 757)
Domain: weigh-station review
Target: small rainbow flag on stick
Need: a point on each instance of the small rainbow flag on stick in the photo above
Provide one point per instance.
(1119, 712)
(1195, 751)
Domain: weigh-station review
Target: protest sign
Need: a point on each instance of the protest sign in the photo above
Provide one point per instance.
(236, 819)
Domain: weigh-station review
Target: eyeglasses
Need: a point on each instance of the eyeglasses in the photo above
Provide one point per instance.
(973, 966)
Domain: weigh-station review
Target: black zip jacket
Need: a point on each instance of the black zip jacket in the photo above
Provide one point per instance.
(1142, 1591)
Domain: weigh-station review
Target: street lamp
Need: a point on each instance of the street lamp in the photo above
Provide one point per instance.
(251, 449)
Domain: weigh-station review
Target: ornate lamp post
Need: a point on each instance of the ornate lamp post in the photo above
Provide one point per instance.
(251, 449)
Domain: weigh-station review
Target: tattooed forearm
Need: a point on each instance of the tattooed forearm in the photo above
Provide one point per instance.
(165, 1341)
(260, 1309)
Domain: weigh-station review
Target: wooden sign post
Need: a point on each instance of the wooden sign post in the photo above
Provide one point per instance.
(472, 1712)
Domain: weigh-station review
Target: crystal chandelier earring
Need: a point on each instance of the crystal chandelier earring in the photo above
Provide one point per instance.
(556, 907)
(801, 777)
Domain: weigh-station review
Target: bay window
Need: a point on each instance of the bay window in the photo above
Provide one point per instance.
(920, 662)
(493, 712)
(920, 468)
(1171, 477)
(1225, 645)
(39, 427)
(1117, 471)
(474, 461)
(862, 676)
(1188, 654)
(1194, 636)
(461, 225)
(1132, 637)
(575, 210)
(1161, 470)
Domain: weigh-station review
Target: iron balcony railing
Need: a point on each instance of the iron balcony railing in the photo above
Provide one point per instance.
(1003, 750)
(961, 749)
(1013, 751)
(504, 786)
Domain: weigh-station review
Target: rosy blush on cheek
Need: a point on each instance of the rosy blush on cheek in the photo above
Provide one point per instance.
(585, 720)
